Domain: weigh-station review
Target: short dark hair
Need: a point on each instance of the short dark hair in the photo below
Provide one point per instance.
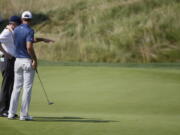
(27, 20)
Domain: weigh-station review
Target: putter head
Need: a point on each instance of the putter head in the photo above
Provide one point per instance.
(50, 103)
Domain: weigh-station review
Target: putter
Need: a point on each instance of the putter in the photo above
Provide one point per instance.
(44, 91)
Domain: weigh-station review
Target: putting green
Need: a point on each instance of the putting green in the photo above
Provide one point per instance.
(102, 101)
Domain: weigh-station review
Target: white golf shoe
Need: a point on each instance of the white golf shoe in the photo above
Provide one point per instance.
(26, 118)
(12, 116)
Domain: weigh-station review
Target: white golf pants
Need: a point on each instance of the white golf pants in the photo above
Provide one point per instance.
(24, 76)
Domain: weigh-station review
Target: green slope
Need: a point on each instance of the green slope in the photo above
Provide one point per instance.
(102, 101)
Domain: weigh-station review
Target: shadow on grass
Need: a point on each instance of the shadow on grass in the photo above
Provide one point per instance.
(39, 18)
(70, 119)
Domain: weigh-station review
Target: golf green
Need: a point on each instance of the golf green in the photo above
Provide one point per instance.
(102, 101)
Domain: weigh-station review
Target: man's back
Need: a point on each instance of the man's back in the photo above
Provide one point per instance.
(22, 35)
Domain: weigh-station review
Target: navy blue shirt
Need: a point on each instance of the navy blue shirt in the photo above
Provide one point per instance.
(22, 35)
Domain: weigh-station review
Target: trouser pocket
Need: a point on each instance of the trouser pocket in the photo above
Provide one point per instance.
(28, 66)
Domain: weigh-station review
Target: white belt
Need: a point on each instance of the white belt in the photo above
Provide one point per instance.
(24, 59)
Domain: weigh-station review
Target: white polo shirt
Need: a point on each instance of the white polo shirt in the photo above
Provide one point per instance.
(7, 41)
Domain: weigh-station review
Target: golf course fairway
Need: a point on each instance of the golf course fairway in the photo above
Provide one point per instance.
(102, 100)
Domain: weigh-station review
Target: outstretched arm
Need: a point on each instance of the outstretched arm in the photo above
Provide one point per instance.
(36, 40)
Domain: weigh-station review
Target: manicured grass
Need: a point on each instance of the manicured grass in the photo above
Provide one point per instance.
(102, 101)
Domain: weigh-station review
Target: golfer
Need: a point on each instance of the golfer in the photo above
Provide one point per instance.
(8, 50)
(25, 66)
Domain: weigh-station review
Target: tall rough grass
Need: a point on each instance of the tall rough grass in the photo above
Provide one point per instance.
(107, 30)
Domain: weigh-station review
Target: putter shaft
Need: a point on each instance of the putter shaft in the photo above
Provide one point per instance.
(44, 91)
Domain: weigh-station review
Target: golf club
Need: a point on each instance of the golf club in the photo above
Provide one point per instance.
(49, 103)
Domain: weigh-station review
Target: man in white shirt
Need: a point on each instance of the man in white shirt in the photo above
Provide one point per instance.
(8, 49)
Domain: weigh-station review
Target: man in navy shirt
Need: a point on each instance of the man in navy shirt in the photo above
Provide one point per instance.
(25, 66)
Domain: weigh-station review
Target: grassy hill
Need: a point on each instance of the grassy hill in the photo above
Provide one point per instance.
(104, 30)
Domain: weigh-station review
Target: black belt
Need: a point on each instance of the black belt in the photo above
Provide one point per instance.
(12, 58)
(2, 56)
